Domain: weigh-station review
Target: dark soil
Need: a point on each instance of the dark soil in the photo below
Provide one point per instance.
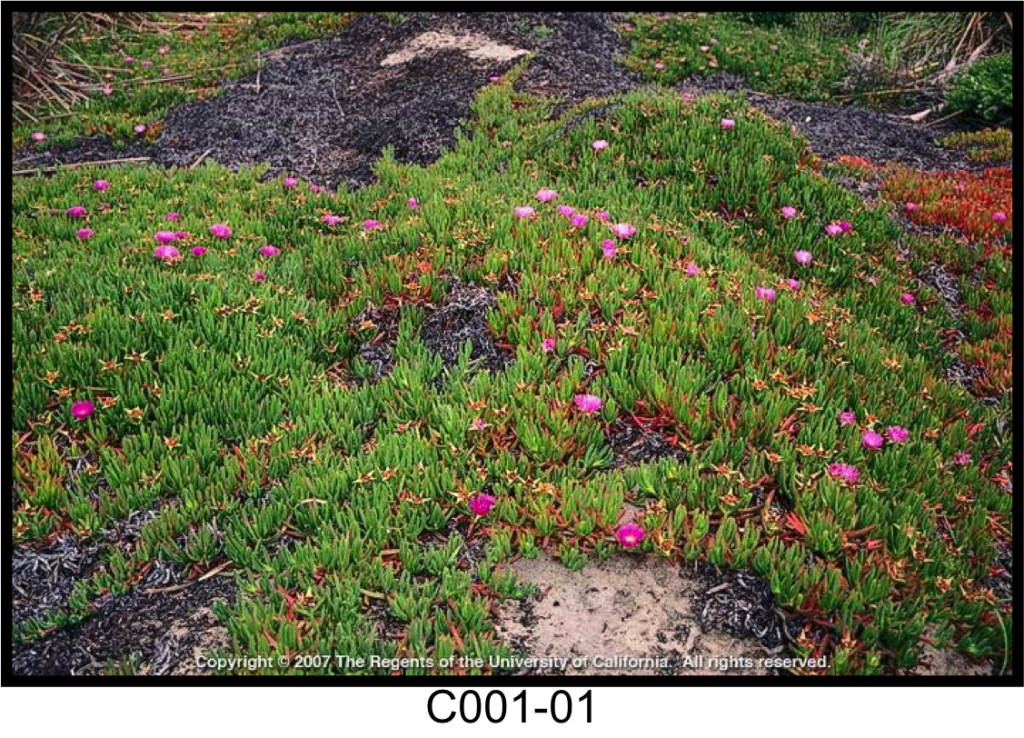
(161, 632)
(325, 110)
(462, 317)
(633, 445)
(379, 350)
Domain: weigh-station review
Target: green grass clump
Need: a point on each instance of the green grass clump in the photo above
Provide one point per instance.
(779, 60)
(141, 74)
(985, 89)
(988, 146)
(240, 405)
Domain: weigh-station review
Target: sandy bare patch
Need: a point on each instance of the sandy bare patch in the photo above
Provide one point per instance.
(630, 607)
(475, 45)
(949, 662)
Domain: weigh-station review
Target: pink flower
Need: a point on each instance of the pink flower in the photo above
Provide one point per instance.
(166, 253)
(833, 229)
(478, 424)
(566, 210)
(269, 251)
(599, 145)
(845, 226)
(961, 458)
(803, 257)
(588, 404)
(76, 211)
(412, 203)
(107, 90)
(845, 472)
(128, 59)
(728, 124)
(897, 434)
(847, 417)
(692, 270)
(220, 230)
(999, 216)
(100, 184)
(548, 345)
(146, 63)
(908, 298)
(82, 409)
(38, 136)
(546, 195)
(793, 284)
(258, 276)
(84, 234)
(316, 189)
(579, 221)
(372, 225)
(165, 237)
(290, 183)
(630, 535)
(332, 220)
(788, 212)
(608, 248)
(603, 215)
(525, 211)
(198, 251)
(623, 230)
(480, 504)
(140, 128)
(181, 235)
(172, 216)
(163, 50)
(909, 207)
(765, 294)
(872, 441)
(659, 65)
(494, 78)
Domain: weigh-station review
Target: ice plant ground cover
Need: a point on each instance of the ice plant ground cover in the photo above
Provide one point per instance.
(238, 416)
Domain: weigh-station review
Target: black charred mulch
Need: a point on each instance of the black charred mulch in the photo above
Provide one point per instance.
(633, 445)
(462, 318)
(324, 110)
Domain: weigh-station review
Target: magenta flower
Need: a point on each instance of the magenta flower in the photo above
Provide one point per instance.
(129, 59)
(909, 207)
(181, 235)
(316, 189)
(269, 251)
(765, 294)
(999, 216)
(728, 124)
(692, 270)
(163, 50)
(847, 417)
(546, 195)
(608, 248)
(908, 298)
(480, 504)
(872, 441)
(845, 472)
(623, 230)
(82, 409)
(588, 404)
(220, 230)
(603, 215)
(548, 345)
(659, 65)
(258, 276)
(566, 210)
(165, 237)
(478, 424)
(172, 216)
(803, 257)
(107, 90)
(84, 234)
(793, 284)
(494, 78)
(38, 136)
(788, 212)
(140, 128)
(100, 184)
(166, 253)
(372, 225)
(290, 183)
(599, 145)
(76, 211)
(897, 434)
(961, 458)
(146, 63)
(579, 221)
(630, 535)
(412, 203)
(833, 229)
(198, 251)
(845, 226)
(332, 220)
(525, 211)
